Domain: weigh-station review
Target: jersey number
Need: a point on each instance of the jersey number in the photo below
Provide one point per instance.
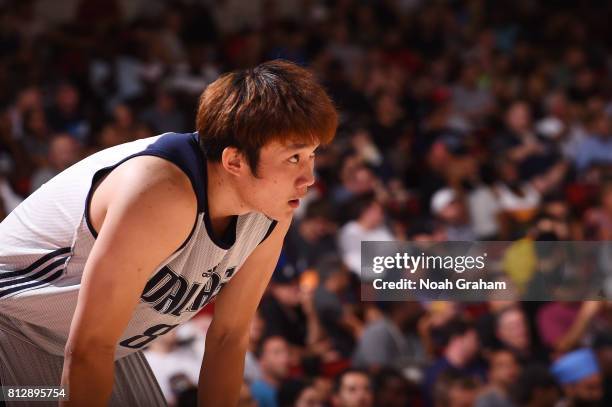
(138, 341)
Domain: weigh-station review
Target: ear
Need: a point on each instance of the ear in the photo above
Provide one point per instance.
(233, 161)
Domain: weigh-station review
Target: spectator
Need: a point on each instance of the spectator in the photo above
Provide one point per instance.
(163, 116)
(367, 226)
(391, 389)
(535, 387)
(298, 394)
(469, 97)
(598, 221)
(355, 179)
(252, 371)
(386, 342)
(484, 206)
(512, 331)
(340, 324)
(580, 377)
(312, 237)
(353, 388)
(289, 312)
(453, 389)
(597, 147)
(602, 345)
(66, 115)
(8, 199)
(503, 373)
(563, 325)
(36, 136)
(274, 361)
(459, 343)
(450, 208)
(64, 151)
(176, 360)
(125, 124)
(522, 145)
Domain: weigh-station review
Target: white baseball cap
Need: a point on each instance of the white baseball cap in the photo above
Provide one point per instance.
(441, 199)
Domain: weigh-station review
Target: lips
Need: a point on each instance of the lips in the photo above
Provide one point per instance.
(294, 203)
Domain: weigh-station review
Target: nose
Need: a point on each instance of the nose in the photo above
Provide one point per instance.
(307, 177)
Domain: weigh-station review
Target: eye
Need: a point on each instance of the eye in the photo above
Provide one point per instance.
(294, 159)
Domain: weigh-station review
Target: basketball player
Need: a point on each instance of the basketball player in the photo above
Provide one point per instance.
(127, 244)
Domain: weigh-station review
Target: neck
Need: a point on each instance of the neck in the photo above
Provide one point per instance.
(271, 380)
(366, 224)
(502, 388)
(223, 199)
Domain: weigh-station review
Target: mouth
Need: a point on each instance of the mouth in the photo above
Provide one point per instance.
(294, 203)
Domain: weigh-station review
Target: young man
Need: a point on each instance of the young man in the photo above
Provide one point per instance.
(353, 388)
(128, 243)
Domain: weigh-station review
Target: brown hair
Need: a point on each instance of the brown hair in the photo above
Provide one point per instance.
(276, 100)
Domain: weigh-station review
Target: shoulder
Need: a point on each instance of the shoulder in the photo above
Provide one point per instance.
(149, 188)
(148, 176)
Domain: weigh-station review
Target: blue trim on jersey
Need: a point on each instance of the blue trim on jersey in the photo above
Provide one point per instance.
(35, 276)
(36, 264)
(49, 279)
(183, 150)
(34, 280)
(269, 232)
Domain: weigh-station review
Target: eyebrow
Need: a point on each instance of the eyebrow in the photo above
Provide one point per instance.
(298, 146)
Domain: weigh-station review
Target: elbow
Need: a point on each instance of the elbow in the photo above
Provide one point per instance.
(83, 350)
(227, 336)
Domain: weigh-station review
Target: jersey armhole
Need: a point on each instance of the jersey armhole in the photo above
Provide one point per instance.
(269, 232)
(107, 170)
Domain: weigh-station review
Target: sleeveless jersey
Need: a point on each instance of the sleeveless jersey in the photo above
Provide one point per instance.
(45, 242)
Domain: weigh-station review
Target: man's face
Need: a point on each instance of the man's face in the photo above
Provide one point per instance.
(355, 391)
(512, 329)
(586, 392)
(470, 343)
(275, 358)
(309, 398)
(460, 396)
(284, 174)
(393, 393)
(545, 397)
(604, 354)
(504, 369)
(288, 294)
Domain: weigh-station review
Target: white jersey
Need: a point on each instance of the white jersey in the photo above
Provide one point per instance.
(45, 242)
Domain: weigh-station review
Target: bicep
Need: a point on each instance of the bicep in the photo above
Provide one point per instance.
(145, 222)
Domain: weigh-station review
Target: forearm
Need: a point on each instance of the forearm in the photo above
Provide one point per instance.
(89, 378)
(314, 331)
(576, 331)
(222, 370)
(352, 324)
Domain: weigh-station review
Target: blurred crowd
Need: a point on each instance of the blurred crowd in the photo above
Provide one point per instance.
(459, 121)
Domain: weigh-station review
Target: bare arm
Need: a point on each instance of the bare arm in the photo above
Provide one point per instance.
(574, 334)
(228, 336)
(314, 329)
(148, 210)
(551, 178)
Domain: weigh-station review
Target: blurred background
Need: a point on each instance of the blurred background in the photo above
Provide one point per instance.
(459, 120)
